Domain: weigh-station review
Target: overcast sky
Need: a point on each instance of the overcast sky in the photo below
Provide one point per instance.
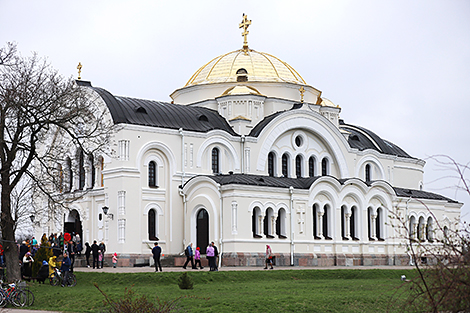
(400, 68)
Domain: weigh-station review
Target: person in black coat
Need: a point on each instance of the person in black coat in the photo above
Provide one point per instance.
(87, 253)
(94, 251)
(43, 272)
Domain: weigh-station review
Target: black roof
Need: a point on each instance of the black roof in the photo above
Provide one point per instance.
(125, 110)
(305, 183)
(362, 139)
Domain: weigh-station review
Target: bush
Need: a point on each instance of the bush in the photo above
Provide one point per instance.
(43, 254)
(185, 281)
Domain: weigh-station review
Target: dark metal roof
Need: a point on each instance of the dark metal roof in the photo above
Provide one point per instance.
(305, 183)
(362, 139)
(419, 194)
(125, 110)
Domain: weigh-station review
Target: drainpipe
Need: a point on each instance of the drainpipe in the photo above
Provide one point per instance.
(184, 215)
(221, 215)
(183, 173)
(291, 203)
(242, 140)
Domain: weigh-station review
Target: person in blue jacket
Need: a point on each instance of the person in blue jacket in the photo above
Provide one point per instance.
(65, 268)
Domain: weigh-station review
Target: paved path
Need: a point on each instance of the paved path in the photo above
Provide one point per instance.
(147, 269)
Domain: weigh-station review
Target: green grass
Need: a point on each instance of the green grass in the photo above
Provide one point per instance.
(342, 290)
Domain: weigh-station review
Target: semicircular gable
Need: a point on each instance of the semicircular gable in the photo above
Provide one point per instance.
(234, 158)
(314, 123)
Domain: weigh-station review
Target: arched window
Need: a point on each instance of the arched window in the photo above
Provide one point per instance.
(412, 229)
(81, 170)
(369, 224)
(343, 223)
(298, 166)
(255, 222)
(285, 165)
(352, 224)
(101, 167)
(326, 222)
(152, 175)
(271, 164)
(311, 166)
(281, 224)
(91, 163)
(316, 228)
(421, 226)
(324, 167)
(268, 223)
(152, 225)
(379, 224)
(70, 175)
(60, 181)
(367, 172)
(215, 161)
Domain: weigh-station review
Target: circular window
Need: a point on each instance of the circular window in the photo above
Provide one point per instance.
(298, 141)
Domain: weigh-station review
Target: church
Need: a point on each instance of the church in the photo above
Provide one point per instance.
(248, 154)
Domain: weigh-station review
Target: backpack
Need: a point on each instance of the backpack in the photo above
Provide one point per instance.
(186, 251)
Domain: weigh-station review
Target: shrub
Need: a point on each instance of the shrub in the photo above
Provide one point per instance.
(185, 281)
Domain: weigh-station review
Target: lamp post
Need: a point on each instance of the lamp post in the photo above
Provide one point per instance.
(105, 211)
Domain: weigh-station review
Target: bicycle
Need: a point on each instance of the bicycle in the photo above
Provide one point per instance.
(56, 278)
(16, 294)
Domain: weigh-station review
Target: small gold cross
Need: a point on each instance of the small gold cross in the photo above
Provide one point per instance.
(79, 68)
(245, 24)
(302, 91)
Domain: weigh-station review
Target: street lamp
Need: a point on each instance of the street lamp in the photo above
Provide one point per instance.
(105, 211)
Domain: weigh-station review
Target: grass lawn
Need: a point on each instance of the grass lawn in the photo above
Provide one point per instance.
(342, 290)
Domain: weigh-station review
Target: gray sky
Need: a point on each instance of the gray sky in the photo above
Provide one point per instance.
(400, 68)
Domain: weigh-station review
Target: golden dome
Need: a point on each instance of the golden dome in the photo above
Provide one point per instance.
(259, 67)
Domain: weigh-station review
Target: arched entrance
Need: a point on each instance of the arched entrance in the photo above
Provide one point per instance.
(202, 230)
(73, 224)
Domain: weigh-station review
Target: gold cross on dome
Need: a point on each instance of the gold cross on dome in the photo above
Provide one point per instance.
(245, 24)
(302, 91)
(79, 68)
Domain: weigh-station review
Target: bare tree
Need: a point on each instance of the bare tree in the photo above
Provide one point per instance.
(440, 255)
(42, 115)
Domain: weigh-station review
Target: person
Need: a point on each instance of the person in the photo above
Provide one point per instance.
(103, 250)
(65, 268)
(189, 256)
(197, 258)
(115, 259)
(1, 255)
(216, 254)
(34, 242)
(156, 252)
(87, 253)
(210, 257)
(52, 265)
(269, 257)
(70, 248)
(43, 272)
(27, 265)
(94, 251)
(23, 250)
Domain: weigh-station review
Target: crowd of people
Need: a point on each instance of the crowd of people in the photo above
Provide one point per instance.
(194, 256)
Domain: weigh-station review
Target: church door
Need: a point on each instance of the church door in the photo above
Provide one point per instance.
(202, 230)
(73, 224)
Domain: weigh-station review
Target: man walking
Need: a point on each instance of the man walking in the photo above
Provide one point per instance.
(216, 254)
(157, 251)
(189, 256)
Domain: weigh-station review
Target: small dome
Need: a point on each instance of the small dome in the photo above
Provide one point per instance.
(241, 90)
(328, 103)
(257, 66)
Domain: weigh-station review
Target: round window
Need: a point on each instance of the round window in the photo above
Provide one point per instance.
(298, 141)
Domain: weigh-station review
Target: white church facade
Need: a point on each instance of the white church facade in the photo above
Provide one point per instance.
(248, 154)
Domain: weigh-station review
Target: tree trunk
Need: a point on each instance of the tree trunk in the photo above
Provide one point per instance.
(8, 235)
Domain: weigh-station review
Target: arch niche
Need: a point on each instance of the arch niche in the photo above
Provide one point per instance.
(73, 224)
(202, 230)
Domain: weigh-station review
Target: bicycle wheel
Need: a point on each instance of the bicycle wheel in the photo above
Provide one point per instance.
(3, 298)
(54, 280)
(26, 297)
(18, 298)
(72, 280)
